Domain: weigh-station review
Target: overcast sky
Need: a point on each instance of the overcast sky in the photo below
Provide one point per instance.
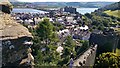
(65, 0)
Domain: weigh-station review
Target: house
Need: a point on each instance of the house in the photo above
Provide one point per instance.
(97, 31)
(81, 33)
(84, 27)
(70, 19)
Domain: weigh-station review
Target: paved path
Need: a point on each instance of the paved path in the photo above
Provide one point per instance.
(87, 58)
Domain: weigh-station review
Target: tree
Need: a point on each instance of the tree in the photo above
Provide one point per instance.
(101, 27)
(85, 45)
(58, 26)
(109, 60)
(69, 48)
(45, 41)
(88, 15)
(45, 31)
(70, 44)
(39, 58)
(49, 57)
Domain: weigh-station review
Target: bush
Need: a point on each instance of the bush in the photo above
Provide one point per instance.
(109, 60)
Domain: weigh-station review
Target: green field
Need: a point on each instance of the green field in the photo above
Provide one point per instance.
(118, 51)
(117, 30)
(115, 13)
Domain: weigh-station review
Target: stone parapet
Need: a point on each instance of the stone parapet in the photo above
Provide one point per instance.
(87, 58)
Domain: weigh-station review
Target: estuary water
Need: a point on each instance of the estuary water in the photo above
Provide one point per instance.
(86, 10)
(29, 10)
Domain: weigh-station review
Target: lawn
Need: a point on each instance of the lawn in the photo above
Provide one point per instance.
(118, 51)
(117, 30)
(115, 13)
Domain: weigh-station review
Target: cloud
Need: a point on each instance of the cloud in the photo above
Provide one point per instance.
(8, 0)
(67, 0)
(13, 0)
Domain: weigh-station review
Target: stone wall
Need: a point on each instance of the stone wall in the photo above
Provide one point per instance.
(0, 52)
(15, 39)
(106, 43)
(5, 6)
(14, 50)
(87, 58)
(5, 9)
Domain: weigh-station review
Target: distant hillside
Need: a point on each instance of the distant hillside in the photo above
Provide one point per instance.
(112, 9)
(114, 6)
(89, 4)
(114, 13)
(63, 4)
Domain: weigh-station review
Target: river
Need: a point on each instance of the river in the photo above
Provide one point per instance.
(86, 10)
(28, 10)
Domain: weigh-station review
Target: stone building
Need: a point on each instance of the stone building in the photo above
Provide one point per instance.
(15, 41)
(70, 9)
